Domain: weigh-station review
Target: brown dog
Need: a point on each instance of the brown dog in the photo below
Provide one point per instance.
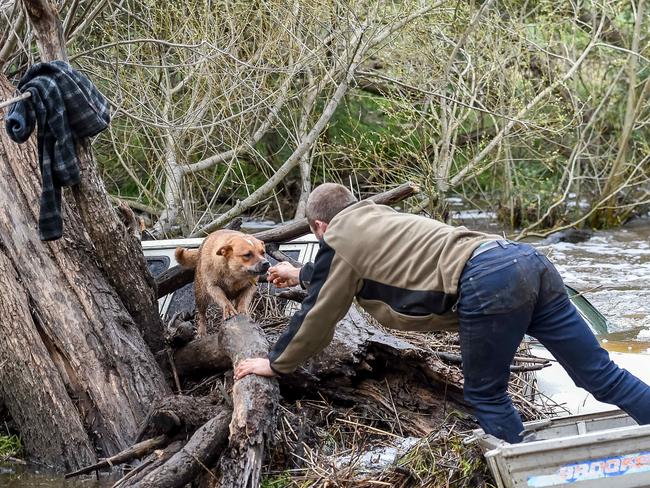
(227, 265)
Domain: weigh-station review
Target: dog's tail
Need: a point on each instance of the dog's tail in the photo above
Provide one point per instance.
(188, 258)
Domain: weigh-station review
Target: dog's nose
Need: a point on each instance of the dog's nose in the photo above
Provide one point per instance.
(265, 265)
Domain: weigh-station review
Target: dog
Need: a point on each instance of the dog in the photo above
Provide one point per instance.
(227, 265)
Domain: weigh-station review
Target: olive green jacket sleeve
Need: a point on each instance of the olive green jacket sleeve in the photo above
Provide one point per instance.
(333, 286)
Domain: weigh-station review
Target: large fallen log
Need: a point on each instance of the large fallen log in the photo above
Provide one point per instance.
(359, 365)
(254, 399)
(177, 276)
(203, 355)
(363, 363)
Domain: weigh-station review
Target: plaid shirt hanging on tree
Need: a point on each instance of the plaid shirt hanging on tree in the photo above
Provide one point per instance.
(66, 107)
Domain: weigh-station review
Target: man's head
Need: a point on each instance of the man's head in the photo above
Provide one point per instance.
(324, 203)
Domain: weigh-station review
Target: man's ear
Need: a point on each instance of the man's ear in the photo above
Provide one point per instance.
(224, 250)
(321, 225)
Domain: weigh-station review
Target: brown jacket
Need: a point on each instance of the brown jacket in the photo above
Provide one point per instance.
(403, 269)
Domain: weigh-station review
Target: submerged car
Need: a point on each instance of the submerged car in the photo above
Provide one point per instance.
(552, 382)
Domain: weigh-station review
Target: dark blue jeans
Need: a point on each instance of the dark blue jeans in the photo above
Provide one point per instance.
(510, 291)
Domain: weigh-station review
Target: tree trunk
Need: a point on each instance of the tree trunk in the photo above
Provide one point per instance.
(76, 373)
(607, 216)
(28, 376)
(119, 254)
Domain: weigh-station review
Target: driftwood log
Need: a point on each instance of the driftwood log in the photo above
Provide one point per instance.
(300, 227)
(360, 357)
(177, 276)
(202, 450)
(254, 400)
(241, 425)
(149, 465)
(136, 451)
(273, 250)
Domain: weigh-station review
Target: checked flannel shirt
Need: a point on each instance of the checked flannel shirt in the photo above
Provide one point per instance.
(67, 108)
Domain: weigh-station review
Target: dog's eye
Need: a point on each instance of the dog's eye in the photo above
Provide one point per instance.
(248, 255)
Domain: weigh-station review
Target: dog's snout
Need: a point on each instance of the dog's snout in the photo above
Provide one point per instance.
(260, 267)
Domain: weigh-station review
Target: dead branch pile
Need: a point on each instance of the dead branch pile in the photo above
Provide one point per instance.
(375, 408)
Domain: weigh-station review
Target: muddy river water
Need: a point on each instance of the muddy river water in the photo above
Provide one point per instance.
(612, 268)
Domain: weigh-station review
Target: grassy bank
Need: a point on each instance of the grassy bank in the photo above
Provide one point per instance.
(10, 446)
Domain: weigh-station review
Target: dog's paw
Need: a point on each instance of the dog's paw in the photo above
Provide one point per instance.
(243, 309)
(229, 311)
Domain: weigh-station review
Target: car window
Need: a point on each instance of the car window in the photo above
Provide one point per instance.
(157, 264)
(182, 301)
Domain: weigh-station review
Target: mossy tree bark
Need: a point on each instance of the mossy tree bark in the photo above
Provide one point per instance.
(80, 320)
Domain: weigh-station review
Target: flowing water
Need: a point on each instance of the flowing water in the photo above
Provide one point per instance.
(612, 269)
(28, 477)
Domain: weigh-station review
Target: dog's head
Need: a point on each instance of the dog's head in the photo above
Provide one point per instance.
(245, 254)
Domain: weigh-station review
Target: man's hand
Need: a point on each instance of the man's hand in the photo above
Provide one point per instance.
(258, 366)
(284, 275)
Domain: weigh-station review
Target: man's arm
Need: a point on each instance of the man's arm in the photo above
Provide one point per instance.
(334, 284)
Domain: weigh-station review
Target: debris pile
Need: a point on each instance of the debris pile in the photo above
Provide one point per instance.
(375, 408)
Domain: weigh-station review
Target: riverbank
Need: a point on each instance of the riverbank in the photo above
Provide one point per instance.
(611, 267)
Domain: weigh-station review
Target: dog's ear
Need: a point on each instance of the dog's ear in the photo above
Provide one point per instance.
(224, 250)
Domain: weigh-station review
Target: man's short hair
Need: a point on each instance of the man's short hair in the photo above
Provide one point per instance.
(326, 201)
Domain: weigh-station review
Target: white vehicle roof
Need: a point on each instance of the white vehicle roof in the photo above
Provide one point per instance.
(196, 242)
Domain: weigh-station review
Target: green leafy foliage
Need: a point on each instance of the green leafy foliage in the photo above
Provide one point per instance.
(10, 445)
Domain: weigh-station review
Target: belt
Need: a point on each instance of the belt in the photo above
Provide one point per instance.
(486, 246)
